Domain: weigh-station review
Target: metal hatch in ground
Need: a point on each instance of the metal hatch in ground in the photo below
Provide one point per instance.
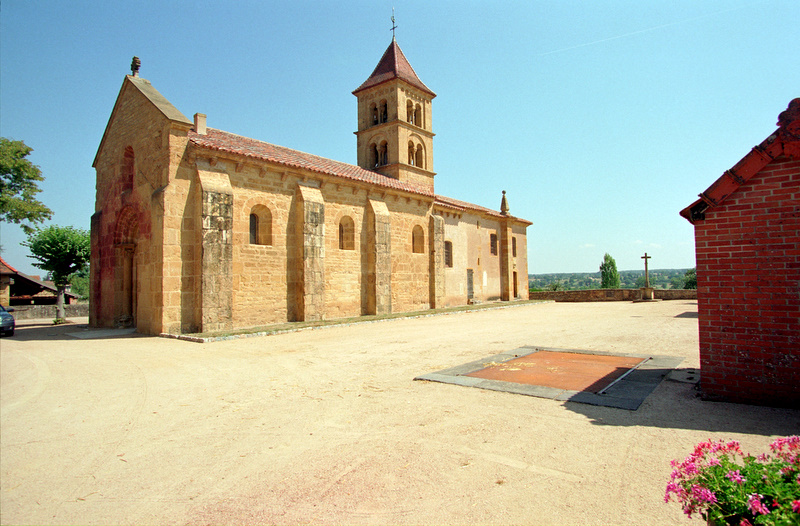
(591, 377)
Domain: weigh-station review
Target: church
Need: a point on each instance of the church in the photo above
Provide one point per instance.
(200, 230)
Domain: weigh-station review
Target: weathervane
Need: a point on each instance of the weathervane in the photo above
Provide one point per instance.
(393, 24)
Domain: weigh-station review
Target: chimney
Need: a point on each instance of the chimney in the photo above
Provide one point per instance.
(200, 123)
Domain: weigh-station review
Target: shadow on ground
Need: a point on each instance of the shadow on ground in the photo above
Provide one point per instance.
(677, 405)
(46, 330)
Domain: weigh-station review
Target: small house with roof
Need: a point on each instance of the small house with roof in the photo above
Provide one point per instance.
(17, 288)
(747, 243)
(197, 229)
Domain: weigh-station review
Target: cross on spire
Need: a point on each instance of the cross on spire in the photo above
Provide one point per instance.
(394, 26)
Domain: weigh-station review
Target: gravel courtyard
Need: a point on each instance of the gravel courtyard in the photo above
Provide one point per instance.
(328, 426)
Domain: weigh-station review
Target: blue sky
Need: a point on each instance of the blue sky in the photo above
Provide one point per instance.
(602, 120)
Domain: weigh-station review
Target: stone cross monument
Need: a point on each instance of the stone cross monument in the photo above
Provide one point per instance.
(647, 290)
(646, 273)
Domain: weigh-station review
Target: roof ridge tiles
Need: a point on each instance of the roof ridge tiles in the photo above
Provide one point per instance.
(238, 144)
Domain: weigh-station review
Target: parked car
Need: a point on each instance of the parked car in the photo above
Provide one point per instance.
(7, 323)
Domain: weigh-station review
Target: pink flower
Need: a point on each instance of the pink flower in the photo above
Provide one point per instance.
(755, 505)
(796, 506)
(735, 476)
(745, 522)
(703, 494)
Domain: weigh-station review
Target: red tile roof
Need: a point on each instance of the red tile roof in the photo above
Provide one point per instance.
(784, 141)
(449, 202)
(5, 268)
(394, 65)
(228, 142)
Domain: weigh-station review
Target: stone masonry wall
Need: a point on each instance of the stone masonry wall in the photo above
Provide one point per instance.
(610, 295)
(410, 289)
(124, 214)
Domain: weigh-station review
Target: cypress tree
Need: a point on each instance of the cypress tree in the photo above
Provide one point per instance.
(609, 277)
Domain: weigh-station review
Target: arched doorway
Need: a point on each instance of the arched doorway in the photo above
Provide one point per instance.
(125, 268)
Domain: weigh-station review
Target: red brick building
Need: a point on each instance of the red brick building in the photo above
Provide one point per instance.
(747, 241)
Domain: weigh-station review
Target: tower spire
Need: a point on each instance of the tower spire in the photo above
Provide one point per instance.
(394, 26)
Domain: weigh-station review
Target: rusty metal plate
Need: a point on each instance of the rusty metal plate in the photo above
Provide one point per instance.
(560, 370)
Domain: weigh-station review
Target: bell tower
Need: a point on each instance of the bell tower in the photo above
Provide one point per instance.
(394, 134)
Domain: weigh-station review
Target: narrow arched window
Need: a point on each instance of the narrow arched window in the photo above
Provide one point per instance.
(374, 114)
(383, 154)
(128, 166)
(384, 112)
(411, 153)
(347, 234)
(260, 226)
(418, 240)
(410, 112)
(253, 229)
(373, 156)
(418, 116)
(448, 254)
(419, 157)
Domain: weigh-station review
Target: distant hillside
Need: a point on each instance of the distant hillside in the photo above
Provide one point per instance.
(630, 279)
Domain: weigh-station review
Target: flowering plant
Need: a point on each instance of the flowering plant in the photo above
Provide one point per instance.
(725, 486)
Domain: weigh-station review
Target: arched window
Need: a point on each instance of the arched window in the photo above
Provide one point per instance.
(373, 111)
(410, 112)
(448, 254)
(418, 240)
(418, 161)
(383, 154)
(347, 234)
(411, 157)
(260, 226)
(128, 166)
(372, 156)
(418, 116)
(384, 112)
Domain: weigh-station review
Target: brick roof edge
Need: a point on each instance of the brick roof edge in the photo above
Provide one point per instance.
(785, 140)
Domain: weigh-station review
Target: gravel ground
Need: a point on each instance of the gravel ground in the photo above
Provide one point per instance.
(328, 427)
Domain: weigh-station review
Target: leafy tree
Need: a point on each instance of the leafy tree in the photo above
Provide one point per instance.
(18, 177)
(79, 283)
(62, 251)
(555, 285)
(690, 279)
(609, 277)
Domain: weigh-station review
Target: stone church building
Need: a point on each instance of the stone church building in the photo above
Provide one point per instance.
(197, 229)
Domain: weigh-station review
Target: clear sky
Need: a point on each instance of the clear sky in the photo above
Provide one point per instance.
(602, 119)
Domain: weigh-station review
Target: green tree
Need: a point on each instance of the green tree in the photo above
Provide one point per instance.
(18, 178)
(61, 251)
(79, 283)
(609, 277)
(690, 279)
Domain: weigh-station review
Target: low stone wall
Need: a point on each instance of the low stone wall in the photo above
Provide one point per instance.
(612, 295)
(48, 312)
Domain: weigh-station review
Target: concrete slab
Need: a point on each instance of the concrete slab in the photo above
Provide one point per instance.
(91, 334)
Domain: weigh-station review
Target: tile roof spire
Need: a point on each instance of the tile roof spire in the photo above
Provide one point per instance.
(394, 65)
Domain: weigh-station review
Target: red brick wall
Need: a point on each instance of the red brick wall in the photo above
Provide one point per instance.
(748, 288)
